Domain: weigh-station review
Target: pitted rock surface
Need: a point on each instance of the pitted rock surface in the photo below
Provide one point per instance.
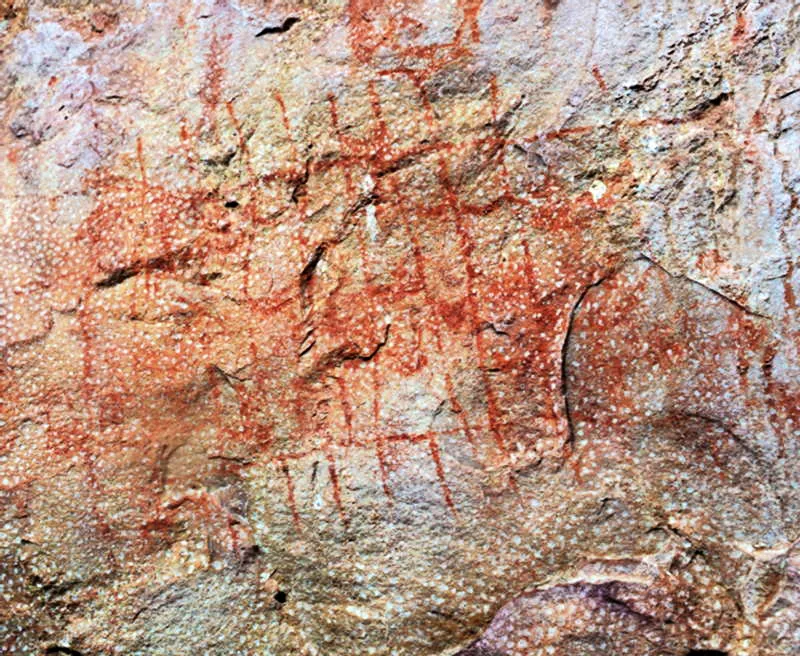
(421, 327)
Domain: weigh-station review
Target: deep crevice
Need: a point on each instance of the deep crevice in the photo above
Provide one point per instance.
(285, 26)
(299, 190)
(117, 276)
(307, 273)
(698, 110)
(167, 262)
(350, 351)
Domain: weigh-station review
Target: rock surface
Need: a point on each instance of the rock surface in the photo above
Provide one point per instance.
(421, 327)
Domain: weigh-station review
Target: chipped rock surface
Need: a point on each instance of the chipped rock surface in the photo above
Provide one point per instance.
(403, 327)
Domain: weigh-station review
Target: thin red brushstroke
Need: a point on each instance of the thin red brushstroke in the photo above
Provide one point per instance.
(598, 76)
(337, 493)
(290, 492)
(437, 459)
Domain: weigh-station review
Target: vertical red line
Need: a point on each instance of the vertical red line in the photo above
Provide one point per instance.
(467, 248)
(285, 120)
(494, 94)
(304, 322)
(241, 139)
(380, 445)
(419, 265)
(334, 476)
(87, 360)
(380, 440)
(186, 147)
(350, 187)
(343, 149)
(290, 492)
(437, 459)
(375, 103)
(140, 160)
(419, 262)
(470, 23)
(211, 92)
(346, 410)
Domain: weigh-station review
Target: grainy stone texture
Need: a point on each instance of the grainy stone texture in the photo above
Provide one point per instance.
(404, 327)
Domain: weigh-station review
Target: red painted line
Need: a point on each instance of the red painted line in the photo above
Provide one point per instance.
(437, 459)
(337, 494)
(290, 492)
(467, 248)
(411, 438)
(494, 94)
(211, 92)
(285, 120)
(241, 139)
(140, 160)
(380, 442)
(471, 11)
(417, 78)
(346, 410)
(419, 263)
(379, 454)
(598, 76)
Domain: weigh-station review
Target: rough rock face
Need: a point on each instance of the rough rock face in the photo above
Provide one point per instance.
(410, 327)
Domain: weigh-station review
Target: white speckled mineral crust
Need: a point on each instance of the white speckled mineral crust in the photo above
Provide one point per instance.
(400, 327)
